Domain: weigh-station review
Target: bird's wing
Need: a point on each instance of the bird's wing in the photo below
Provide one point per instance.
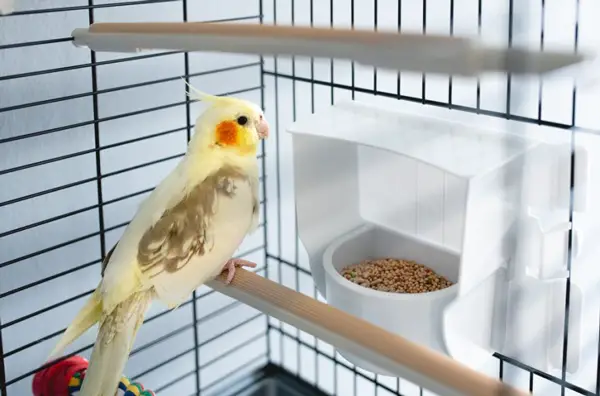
(254, 183)
(107, 259)
(121, 276)
(192, 240)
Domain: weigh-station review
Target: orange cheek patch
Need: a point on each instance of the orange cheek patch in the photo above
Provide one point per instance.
(227, 133)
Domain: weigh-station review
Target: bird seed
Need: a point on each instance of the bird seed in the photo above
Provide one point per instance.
(395, 276)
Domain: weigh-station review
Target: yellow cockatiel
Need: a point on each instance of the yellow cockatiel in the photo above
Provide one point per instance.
(183, 235)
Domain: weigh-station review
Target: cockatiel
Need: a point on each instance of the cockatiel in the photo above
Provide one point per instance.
(184, 234)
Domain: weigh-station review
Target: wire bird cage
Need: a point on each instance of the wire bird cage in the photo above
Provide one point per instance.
(86, 136)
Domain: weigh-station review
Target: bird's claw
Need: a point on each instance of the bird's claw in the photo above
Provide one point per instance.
(232, 264)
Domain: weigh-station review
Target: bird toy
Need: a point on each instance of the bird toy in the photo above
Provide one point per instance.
(65, 377)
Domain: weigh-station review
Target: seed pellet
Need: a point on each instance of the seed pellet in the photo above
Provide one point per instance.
(395, 276)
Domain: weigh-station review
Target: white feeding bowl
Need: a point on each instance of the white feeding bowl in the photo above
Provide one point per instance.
(483, 203)
(415, 316)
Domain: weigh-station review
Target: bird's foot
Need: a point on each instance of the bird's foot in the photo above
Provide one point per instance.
(232, 264)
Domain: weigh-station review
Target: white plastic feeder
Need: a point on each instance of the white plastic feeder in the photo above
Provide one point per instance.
(373, 182)
(420, 313)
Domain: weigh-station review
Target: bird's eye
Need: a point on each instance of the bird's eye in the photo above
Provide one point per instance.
(242, 120)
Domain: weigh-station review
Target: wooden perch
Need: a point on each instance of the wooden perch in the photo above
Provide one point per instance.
(429, 369)
(391, 50)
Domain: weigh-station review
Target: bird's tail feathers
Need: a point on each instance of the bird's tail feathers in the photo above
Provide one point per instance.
(115, 338)
(88, 316)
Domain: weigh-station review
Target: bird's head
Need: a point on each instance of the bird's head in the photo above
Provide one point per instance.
(229, 127)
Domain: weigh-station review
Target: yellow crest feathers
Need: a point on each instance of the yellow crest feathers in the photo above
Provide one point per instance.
(195, 94)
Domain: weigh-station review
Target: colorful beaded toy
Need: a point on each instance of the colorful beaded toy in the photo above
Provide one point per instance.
(65, 378)
(126, 387)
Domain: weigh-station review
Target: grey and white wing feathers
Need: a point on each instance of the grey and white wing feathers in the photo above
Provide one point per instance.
(191, 241)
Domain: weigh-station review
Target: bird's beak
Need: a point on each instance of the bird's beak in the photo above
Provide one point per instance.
(263, 128)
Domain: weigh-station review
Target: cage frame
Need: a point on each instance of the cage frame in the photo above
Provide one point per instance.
(276, 75)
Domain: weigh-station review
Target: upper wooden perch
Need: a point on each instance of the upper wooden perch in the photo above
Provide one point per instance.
(420, 365)
(391, 50)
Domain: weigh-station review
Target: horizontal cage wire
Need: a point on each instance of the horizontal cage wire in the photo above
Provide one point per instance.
(85, 137)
